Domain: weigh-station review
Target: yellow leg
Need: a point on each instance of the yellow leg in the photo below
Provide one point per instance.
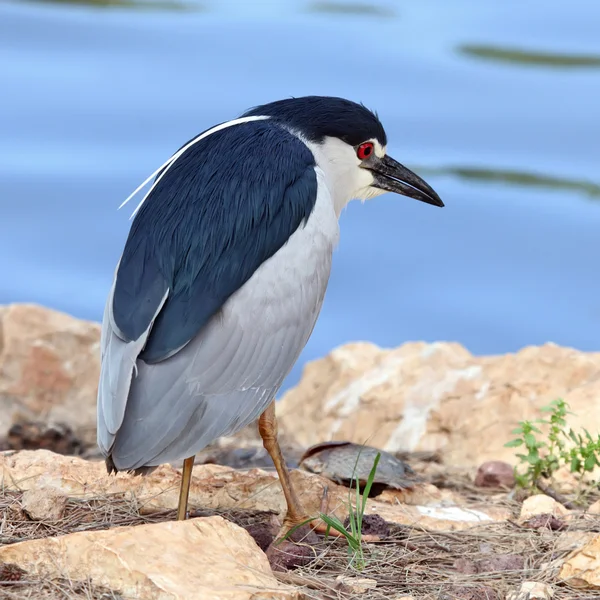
(184, 491)
(267, 426)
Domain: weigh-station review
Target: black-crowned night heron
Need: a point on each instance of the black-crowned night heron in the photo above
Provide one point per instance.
(223, 276)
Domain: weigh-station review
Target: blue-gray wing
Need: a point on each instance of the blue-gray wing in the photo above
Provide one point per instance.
(224, 345)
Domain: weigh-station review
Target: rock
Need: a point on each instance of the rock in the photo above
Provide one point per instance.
(44, 504)
(491, 564)
(424, 494)
(222, 488)
(540, 504)
(49, 368)
(501, 562)
(544, 521)
(354, 585)
(582, 567)
(439, 518)
(207, 558)
(30, 435)
(495, 473)
(289, 555)
(264, 533)
(465, 566)
(532, 590)
(572, 541)
(438, 397)
(594, 509)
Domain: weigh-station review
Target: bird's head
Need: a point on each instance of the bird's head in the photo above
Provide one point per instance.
(349, 143)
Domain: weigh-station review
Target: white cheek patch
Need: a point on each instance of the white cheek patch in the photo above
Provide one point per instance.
(379, 149)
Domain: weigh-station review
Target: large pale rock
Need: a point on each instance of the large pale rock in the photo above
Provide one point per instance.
(540, 504)
(438, 396)
(44, 504)
(582, 567)
(49, 367)
(222, 488)
(532, 590)
(199, 559)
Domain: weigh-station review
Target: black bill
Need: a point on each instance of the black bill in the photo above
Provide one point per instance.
(391, 176)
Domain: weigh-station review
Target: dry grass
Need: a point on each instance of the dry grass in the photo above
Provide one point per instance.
(486, 562)
(482, 563)
(54, 590)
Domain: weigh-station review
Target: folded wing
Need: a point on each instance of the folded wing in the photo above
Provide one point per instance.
(218, 289)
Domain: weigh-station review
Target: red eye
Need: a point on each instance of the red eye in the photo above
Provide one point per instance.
(364, 150)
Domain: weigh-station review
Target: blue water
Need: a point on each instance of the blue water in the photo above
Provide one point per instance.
(497, 104)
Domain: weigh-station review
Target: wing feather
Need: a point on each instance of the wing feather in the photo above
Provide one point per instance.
(224, 378)
(118, 364)
(223, 332)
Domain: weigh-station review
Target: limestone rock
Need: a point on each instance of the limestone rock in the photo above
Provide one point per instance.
(208, 558)
(582, 567)
(438, 397)
(573, 541)
(354, 585)
(44, 504)
(532, 590)
(541, 504)
(223, 488)
(49, 367)
(495, 473)
(594, 509)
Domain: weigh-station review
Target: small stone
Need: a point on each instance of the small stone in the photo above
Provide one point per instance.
(354, 585)
(287, 556)
(501, 562)
(494, 474)
(541, 504)
(545, 521)
(297, 550)
(594, 508)
(44, 504)
(466, 566)
(532, 590)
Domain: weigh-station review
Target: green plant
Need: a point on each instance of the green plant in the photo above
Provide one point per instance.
(355, 517)
(544, 456)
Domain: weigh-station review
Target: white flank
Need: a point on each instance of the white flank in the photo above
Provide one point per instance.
(166, 165)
